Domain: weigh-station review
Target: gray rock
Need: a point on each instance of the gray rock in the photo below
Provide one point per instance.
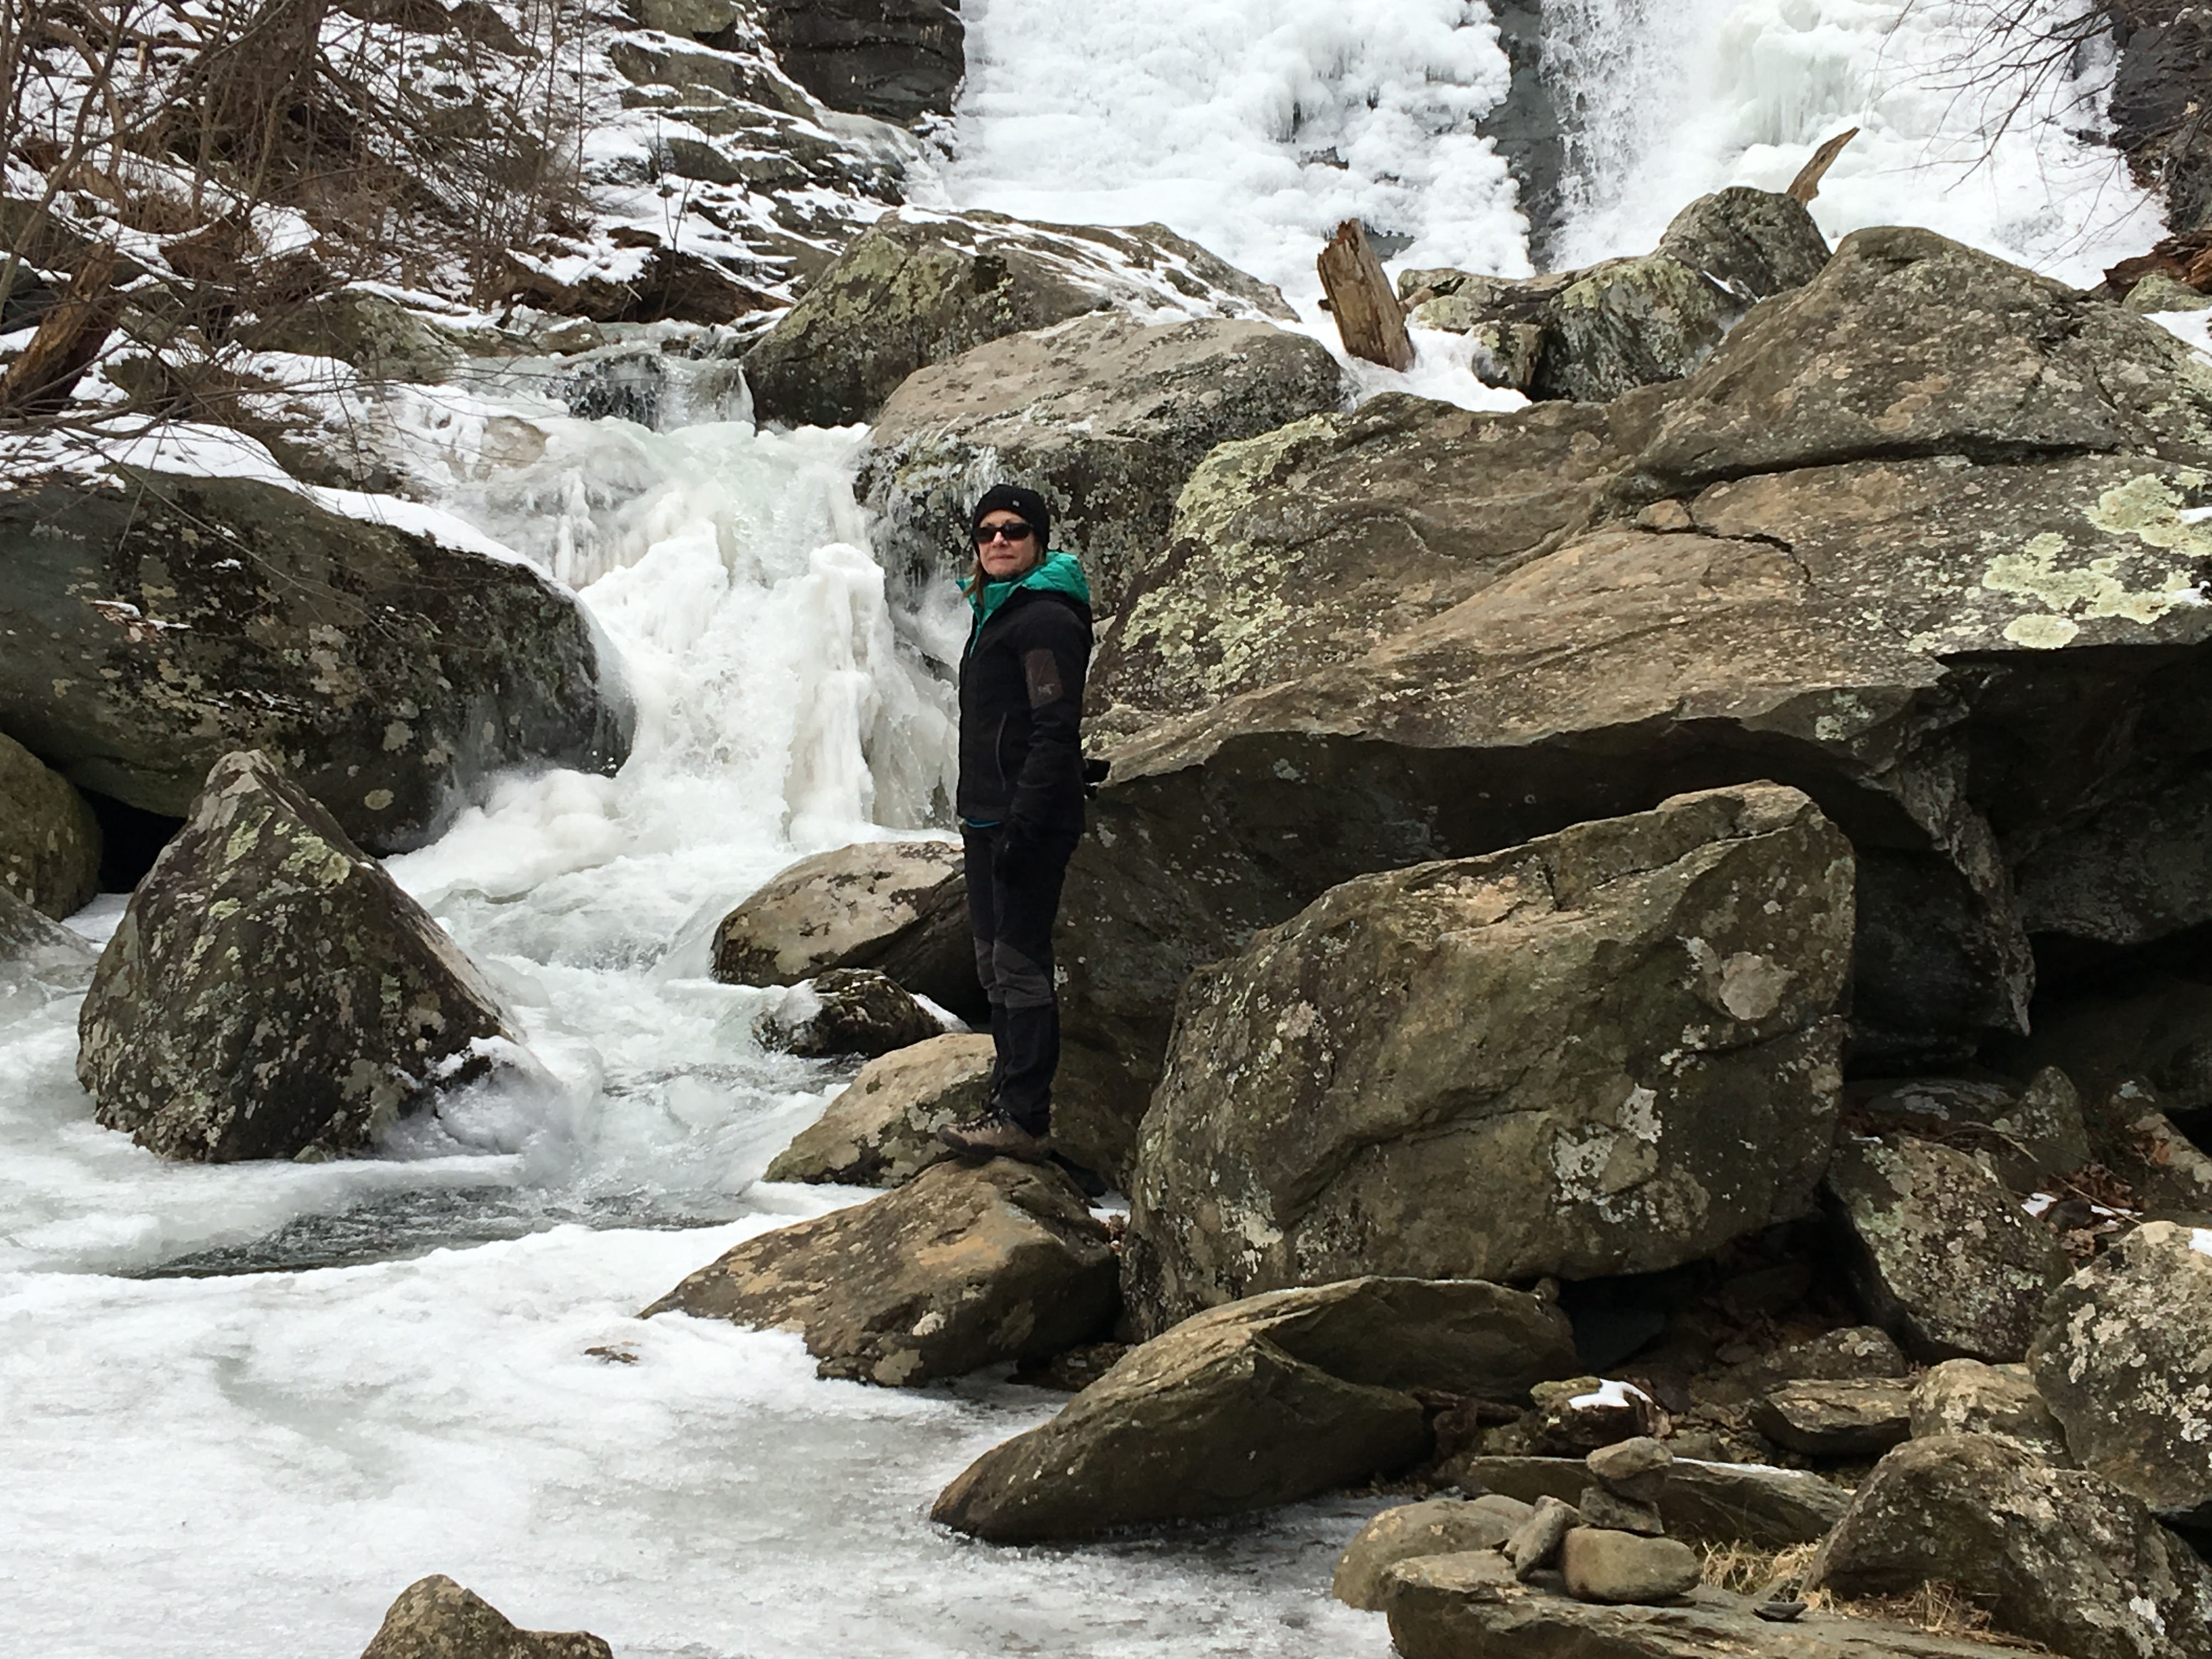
(375, 333)
(2151, 1028)
(1628, 323)
(894, 59)
(1635, 1468)
(1856, 1351)
(435, 1619)
(1944, 1257)
(2120, 1359)
(49, 840)
(1754, 243)
(1707, 1503)
(2158, 292)
(900, 906)
(1453, 1070)
(1453, 1607)
(158, 622)
(958, 1269)
(1609, 1511)
(1863, 1417)
(882, 1130)
(1106, 415)
(1622, 1566)
(271, 991)
(2022, 1136)
(1965, 1396)
(1442, 1526)
(1260, 1402)
(1536, 1542)
(912, 292)
(2059, 1556)
(849, 1010)
(41, 961)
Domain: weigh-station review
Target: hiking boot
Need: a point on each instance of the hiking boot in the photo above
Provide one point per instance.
(988, 1135)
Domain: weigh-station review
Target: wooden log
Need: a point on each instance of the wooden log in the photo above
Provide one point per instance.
(1806, 184)
(1368, 315)
(68, 339)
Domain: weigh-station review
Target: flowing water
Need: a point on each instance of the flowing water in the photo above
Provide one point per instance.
(242, 1407)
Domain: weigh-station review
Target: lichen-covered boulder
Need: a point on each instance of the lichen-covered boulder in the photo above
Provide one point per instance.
(435, 1619)
(156, 623)
(2124, 1359)
(958, 1269)
(271, 992)
(848, 1011)
(1862, 1417)
(2059, 1556)
(2023, 1136)
(1260, 1402)
(1547, 1060)
(1754, 243)
(882, 1130)
(1106, 416)
(1943, 1256)
(918, 289)
(900, 906)
(49, 840)
(1965, 1396)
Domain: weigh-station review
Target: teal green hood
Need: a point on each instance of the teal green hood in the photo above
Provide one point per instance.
(1061, 572)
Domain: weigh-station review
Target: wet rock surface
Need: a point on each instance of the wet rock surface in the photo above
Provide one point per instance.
(49, 839)
(1106, 416)
(914, 291)
(2120, 1359)
(435, 1619)
(1547, 1061)
(894, 59)
(849, 1010)
(2059, 1556)
(882, 1130)
(898, 907)
(958, 1269)
(271, 992)
(159, 623)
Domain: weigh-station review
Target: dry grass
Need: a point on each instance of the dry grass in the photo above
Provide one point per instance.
(1939, 1609)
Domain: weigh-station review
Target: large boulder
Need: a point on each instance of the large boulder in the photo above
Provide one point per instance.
(49, 840)
(919, 289)
(2059, 1556)
(1754, 243)
(900, 906)
(847, 1011)
(1106, 416)
(435, 1619)
(958, 1269)
(1261, 1402)
(897, 60)
(1970, 639)
(1547, 1061)
(1709, 1503)
(1944, 1257)
(158, 622)
(2124, 1359)
(271, 992)
(882, 1130)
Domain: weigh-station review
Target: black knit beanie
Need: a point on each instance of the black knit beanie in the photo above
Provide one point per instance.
(1012, 498)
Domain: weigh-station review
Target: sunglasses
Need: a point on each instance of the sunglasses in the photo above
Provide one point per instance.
(1005, 532)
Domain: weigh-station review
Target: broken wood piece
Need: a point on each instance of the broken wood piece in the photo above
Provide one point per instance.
(68, 339)
(1368, 315)
(1806, 184)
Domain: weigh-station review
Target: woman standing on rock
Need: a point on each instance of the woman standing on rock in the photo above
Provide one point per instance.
(1020, 801)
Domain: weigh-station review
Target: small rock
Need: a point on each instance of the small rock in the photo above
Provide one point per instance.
(2159, 292)
(1471, 1575)
(435, 1619)
(850, 1011)
(1635, 1468)
(1780, 1613)
(958, 1269)
(49, 840)
(882, 1130)
(1583, 1413)
(1611, 1512)
(1536, 1540)
(1965, 1396)
(1857, 1350)
(1621, 1566)
(1442, 1526)
(1860, 1418)
(1708, 1503)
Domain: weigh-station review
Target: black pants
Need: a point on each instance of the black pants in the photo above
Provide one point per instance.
(1012, 903)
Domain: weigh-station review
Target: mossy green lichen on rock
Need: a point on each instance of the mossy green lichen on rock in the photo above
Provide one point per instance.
(271, 991)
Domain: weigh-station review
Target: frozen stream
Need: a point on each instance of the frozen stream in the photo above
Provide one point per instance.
(199, 1455)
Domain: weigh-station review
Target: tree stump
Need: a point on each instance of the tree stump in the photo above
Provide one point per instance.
(1368, 315)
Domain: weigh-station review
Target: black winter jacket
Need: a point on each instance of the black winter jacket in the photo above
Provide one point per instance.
(1021, 709)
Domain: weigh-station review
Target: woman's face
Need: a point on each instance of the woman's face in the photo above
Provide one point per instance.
(1009, 554)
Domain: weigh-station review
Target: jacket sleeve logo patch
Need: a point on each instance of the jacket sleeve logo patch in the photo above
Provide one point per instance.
(1043, 671)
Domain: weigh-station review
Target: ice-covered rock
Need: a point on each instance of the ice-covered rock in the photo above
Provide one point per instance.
(40, 960)
(50, 841)
(918, 289)
(2121, 1361)
(2059, 1556)
(1547, 1060)
(958, 1269)
(271, 991)
(882, 1130)
(1106, 415)
(848, 1011)
(435, 1619)
(156, 623)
